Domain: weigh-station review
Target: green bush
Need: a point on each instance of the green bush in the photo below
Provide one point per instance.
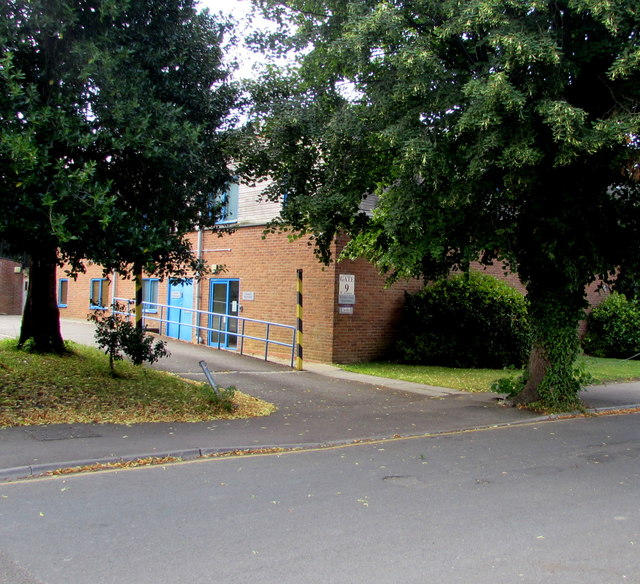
(613, 328)
(468, 320)
(117, 337)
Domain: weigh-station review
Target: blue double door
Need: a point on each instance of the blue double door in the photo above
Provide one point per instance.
(223, 313)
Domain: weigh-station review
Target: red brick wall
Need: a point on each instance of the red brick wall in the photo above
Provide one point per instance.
(368, 333)
(79, 291)
(11, 287)
(267, 268)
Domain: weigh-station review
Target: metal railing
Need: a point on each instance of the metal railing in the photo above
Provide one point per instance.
(223, 331)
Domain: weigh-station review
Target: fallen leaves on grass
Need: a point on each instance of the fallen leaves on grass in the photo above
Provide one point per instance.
(77, 388)
(104, 413)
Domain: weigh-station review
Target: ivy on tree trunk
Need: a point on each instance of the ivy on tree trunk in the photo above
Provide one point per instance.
(551, 377)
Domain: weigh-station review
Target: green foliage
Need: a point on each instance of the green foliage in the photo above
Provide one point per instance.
(500, 130)
(28, 346)
(141, 348)
(117, 336)
(511, 386)
(112, 138)
(468, 320)
(613, 328)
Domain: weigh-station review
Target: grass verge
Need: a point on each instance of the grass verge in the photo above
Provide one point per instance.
(479, 380)
(78, 388)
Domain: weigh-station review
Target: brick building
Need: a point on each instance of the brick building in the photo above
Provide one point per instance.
(12, 286)
(349, 314)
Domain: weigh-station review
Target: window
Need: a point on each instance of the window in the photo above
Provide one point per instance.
(99, 293)
(150, 294)
(63, 289)
(229, 205)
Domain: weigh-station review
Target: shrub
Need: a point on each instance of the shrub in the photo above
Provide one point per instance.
(117, 337)
(613, 328)
(467, 320)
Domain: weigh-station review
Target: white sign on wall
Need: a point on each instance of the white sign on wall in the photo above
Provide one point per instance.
(346, 289)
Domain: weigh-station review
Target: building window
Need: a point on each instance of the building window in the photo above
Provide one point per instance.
(150, 294)
(228, 202)
(99, 294)
(63, 290)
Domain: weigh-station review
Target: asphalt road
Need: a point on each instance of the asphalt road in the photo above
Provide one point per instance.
(552, 502)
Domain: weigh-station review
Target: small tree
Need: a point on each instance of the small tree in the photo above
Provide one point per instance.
(118, 337)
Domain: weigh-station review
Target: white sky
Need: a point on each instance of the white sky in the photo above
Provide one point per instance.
(239, 9)
(235, 7)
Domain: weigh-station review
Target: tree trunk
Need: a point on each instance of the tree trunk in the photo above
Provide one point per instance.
(551, 380)
(41, 317)
(536, 369)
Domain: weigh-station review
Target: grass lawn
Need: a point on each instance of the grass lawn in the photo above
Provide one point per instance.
(476, 380)
(78, 388)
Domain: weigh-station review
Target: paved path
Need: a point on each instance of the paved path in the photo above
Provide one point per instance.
(322, 405)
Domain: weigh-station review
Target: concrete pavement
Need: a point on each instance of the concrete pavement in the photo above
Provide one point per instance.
(318, 406)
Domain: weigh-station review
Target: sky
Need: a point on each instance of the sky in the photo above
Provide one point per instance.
(235, 7)
(239, 9)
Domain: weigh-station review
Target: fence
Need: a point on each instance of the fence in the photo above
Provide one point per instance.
(223, 330)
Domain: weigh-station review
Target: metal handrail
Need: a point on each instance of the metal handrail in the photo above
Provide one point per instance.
(151, 309)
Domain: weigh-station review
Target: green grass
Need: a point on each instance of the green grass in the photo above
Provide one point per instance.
(78, 388)
(478, 380)
(611, 370)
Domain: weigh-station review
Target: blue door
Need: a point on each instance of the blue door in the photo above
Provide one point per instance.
(179, 315)
(223, 307)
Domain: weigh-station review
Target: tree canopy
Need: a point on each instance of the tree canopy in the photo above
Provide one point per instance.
(499, 130)
(112, 138)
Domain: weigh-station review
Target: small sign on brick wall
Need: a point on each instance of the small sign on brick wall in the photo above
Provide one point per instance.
(346, 289)
(345, 309)
(248, 296)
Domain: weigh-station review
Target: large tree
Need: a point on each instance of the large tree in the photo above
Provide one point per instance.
(505, 130)
(112, 141)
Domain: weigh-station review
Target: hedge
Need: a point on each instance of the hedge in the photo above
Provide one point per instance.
(467, 320)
